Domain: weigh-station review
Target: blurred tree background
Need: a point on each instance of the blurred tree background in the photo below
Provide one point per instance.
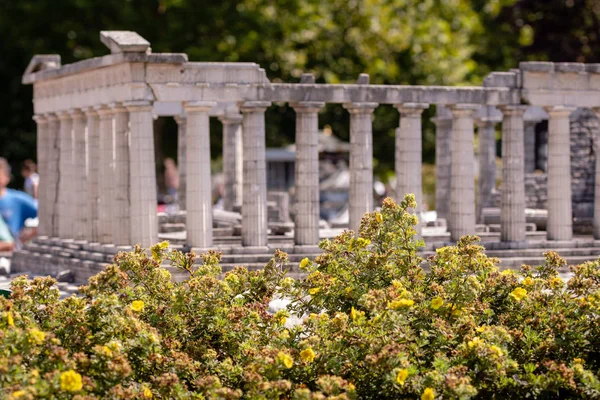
(433, 42)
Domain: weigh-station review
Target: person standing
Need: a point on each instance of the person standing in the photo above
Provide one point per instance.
(32, 179)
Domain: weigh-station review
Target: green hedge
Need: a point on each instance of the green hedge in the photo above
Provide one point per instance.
(374, 325)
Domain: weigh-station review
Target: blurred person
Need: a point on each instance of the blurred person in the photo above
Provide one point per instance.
(7, 243)
(171, 178)
(32, 179)
(15, 206)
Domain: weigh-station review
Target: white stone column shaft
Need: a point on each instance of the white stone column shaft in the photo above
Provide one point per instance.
(254, 206)
(199, 207)
(529, 140)
(597, 181)
(181, 160)
(560, 216)
(512, 211)
(106, 188)
(121, 236)
(43, 153)
(142, 175)
(486, 130)
(233, 150)
(65, 184)
(462, 192)
(93, 172)
(53, 174)
(361, 161)
(409, 153)
(80, 198)
(443, 161)
(306, 227)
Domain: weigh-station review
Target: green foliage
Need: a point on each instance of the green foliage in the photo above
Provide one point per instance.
(374, 325)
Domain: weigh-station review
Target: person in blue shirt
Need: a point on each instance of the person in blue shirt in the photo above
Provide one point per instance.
(15, 206)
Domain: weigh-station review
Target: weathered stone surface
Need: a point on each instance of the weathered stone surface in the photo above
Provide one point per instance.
(124, 42)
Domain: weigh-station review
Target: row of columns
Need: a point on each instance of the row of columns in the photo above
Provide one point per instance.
(97, 172)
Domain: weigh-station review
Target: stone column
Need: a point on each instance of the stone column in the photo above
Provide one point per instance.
(232, 160)
(181, 159)
(361, 161)
(106, 188)
(486, 129)
(512, 211)
(43, 153)
(65, 184)
(529, 141)
(120, 236)
(560, 216)
(254, 205)
(142, 175)
(93, 172)
(597, 181)
(53, 173)
(409, 149)
(306, 227)
(443, 161)
(199, 189)
(462, 192)
(80, 198)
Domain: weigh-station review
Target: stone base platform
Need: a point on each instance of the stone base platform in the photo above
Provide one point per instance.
(51, 256)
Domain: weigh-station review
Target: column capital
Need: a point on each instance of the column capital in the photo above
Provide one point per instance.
(231, 118)
(63, 114)
(103, 110)
(254, 106)
(513, 109)
(76, 113)
(180, 119)
(41, 118)
(559, 111)
(307, 106)
(117, 107)
(360, 108)
(138, 105)
(51, 117)
(90, 111)
(463, 110)
(198, 106)
(414, 109)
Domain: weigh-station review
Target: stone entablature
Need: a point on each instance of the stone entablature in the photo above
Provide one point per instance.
(106, 104)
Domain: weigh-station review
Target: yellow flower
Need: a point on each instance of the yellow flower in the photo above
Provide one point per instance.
(507, 272)
(475, 342)
(518, 294)
(137, 305)
(481, 328)
(428, 394)
(158, 248)
(436, 302)
(106, 351)
(401, 377)
(401, 303)
(304, 263)
(353, 313)
(282, 320)
(70, 381)
(495, 350)
(578, 361)
(314, 290)
(528, 281)
(351, 387)
(307, 355)
(147, 393)
(36, 336)
(362, 242)
(9, 319)
(379, 217)
(285, 359)
(18, 394)
(556, 282)
(285, 334)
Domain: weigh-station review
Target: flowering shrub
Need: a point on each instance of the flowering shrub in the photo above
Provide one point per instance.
(374, 324)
